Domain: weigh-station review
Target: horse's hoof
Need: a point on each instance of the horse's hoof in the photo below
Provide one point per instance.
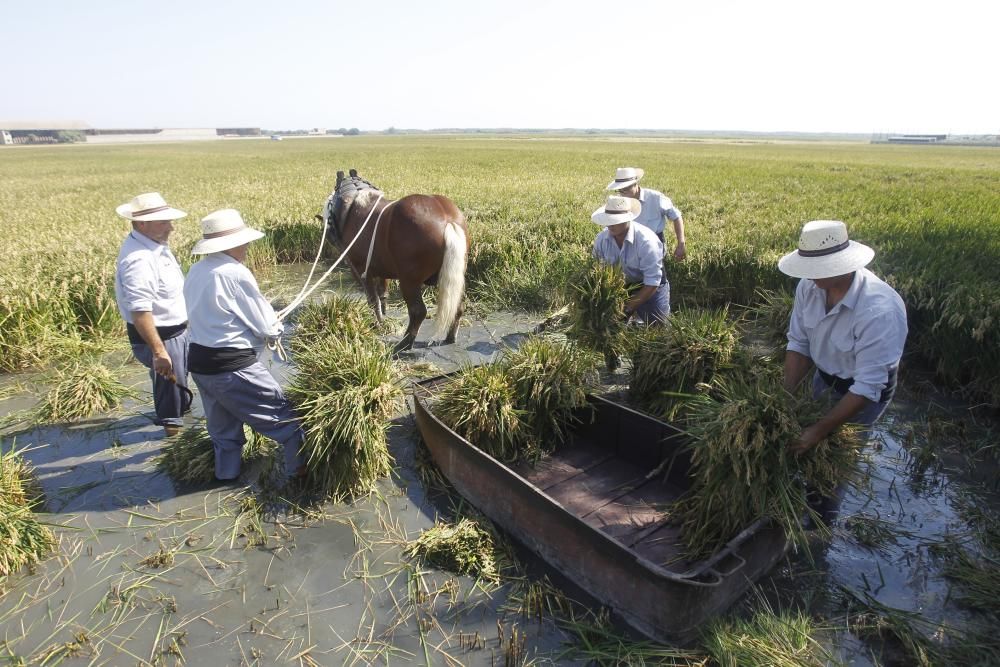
(403, 345)
(450, 340)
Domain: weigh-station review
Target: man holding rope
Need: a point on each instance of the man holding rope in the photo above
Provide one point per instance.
(231, 321)
(149, 288)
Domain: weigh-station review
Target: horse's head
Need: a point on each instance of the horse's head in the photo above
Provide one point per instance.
(349, 191)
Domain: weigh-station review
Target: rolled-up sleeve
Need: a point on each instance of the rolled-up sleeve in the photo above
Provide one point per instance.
(138, 282)
(798, 340)
(651, 263)
(880, 337)
(668, 209)
(254, 309)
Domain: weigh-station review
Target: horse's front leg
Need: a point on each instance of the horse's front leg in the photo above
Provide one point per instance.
(374, 300)
(381, 289)
(413, 294)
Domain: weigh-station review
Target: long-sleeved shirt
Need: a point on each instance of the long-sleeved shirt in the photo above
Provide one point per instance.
(862, 337)
(656, 209)
(149, 279)
(225, 307)
(640, 256)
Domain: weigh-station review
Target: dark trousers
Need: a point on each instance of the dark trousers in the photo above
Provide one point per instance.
(166, 395)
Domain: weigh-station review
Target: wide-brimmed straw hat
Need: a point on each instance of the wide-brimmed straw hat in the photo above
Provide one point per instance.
(618, 209)
(825, 252)
(624, 177)
(149, 207)
(222, 230)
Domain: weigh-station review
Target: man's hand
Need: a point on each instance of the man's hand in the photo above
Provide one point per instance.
(680, 252)
(162, 364)
(811, 435)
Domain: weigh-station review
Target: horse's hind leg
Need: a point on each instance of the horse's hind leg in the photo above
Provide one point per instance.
(413, 294)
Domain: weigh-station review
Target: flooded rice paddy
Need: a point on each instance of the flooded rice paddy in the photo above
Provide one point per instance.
(146, 572)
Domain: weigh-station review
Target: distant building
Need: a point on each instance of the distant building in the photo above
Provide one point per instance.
(51, 132)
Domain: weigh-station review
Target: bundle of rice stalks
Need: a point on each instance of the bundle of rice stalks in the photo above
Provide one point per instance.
(189, 457)
(345, 392)
(771, 311)
(83, 389)
(766, 639)
(670, 361)
(550, 380)
(480, 404)
(465, 547)
(23, 539)
(742, 469)
(597, 311)
(335, 315)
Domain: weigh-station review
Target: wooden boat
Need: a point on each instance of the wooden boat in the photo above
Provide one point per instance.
(590, 512)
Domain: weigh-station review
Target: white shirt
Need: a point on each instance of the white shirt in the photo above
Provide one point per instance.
(862, 337)
(148, 279)
(640, 257)
(656, 208)
(225, 306)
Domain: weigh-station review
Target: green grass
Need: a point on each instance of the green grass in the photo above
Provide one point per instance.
(933, 216)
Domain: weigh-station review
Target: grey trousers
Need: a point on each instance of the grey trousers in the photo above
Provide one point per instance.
(250, 396)
(656, 308)
(166, 395)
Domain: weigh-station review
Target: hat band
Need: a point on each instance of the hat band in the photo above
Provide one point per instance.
(629, 178)
(150, 210)
(824, 251)
(215, 235)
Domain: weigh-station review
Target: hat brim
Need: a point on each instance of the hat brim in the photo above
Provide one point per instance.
(164, 215)
(605, 219)
(855, 256)
(621, 185)
(208, 246)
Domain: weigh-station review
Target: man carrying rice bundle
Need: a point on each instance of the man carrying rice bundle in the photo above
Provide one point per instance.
(657, 208)
(230, 323)
(149, 288)
(848, 323)
(639, 254)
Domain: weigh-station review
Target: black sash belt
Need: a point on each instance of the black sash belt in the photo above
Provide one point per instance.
(842, 385)
(166, 333)
(215, 360)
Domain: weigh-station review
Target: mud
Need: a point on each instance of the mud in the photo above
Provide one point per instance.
(149, 573)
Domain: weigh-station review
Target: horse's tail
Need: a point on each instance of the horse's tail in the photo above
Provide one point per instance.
(451, 280)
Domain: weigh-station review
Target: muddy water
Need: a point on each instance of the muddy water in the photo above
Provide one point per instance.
(148, 573)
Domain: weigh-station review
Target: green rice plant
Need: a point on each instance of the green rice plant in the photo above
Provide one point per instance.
(334, 315)
(669, 362)
(765, 639)
(977, 577)
(345, 392)
(465, 547)
(771, 311)
(597, 312)
(481, 404)
(596, 641)
(550, 380)
(83, 389)
(741, 467)
(189, 457)
(23, 540)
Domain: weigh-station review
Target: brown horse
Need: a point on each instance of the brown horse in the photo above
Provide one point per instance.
(418, 240)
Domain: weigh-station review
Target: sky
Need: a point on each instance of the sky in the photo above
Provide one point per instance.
(765, 66)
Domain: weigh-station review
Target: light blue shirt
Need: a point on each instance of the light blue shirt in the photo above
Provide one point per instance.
(656, 209)
(225, 307)
(640, 257)
(148, 279)
(862, 337)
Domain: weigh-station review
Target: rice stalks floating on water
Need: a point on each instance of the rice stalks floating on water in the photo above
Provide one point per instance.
(766, 639)
(670, 361)
(23, 539)
(465, 547)
(345, 392)
(523, 405)
(597, 312)
(742, 469)
(189, 457)
(84, 389)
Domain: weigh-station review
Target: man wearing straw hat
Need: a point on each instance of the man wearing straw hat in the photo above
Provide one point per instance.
(230, 323)
(656, 207)
(636, 250)
(848, 323)
(149, 288)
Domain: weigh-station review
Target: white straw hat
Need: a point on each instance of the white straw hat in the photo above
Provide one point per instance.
(149, 207)
(222, 230)
(618, 209)
(624, 177)
(825, 252)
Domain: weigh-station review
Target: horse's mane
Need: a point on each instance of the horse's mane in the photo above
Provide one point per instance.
(358, 189)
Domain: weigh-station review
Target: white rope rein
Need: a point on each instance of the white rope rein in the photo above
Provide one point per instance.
(371, 246)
